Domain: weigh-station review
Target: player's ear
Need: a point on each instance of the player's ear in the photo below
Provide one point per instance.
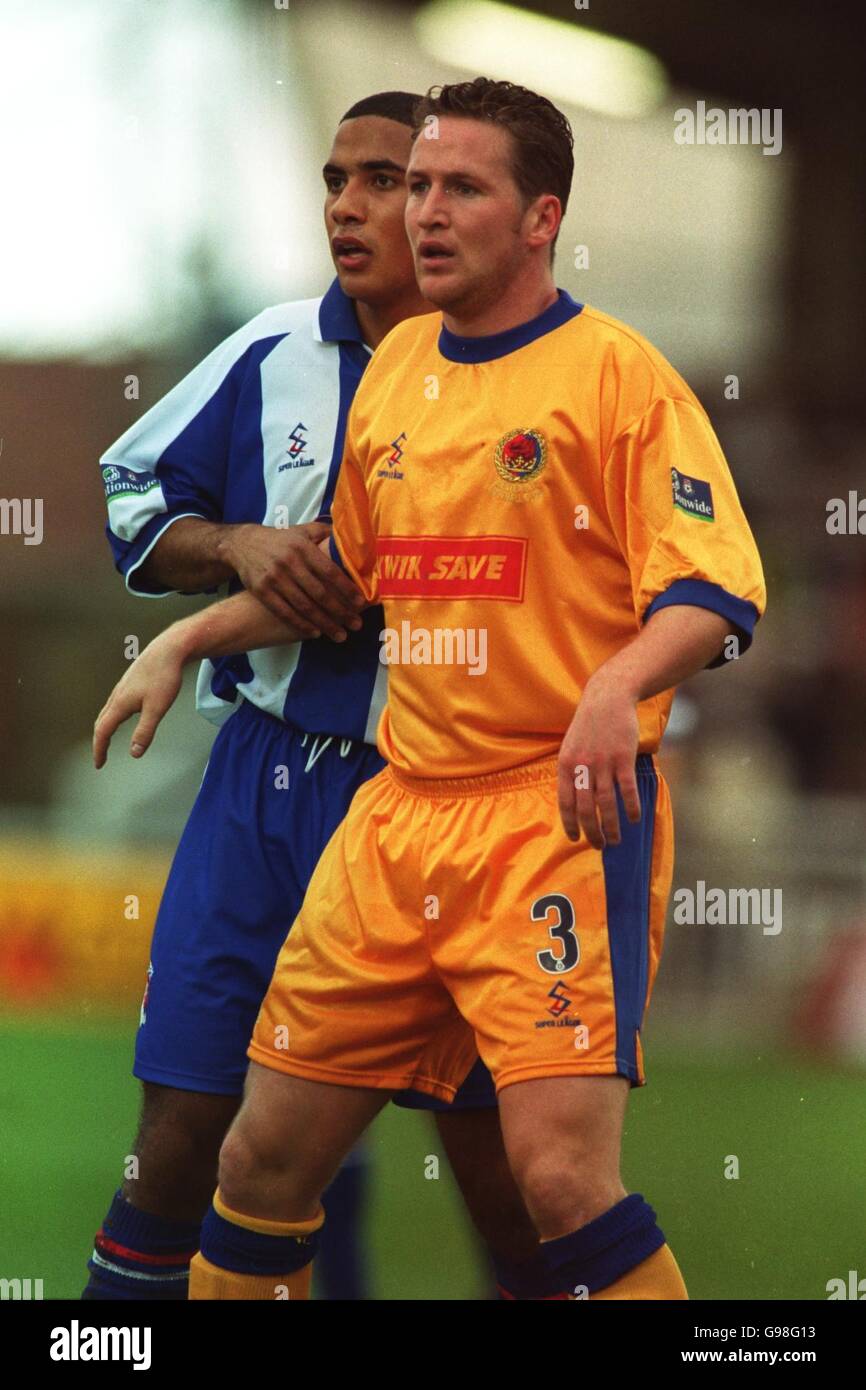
(545, 219)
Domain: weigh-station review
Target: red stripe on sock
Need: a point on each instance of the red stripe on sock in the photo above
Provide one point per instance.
(104, 1243)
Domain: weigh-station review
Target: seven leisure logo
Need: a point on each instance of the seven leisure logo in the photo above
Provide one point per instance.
(392, 471)
(295, 451)
(734, 127)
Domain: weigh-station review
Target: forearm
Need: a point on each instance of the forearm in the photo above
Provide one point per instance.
(676, 643)
(237, 624)
(192, 555)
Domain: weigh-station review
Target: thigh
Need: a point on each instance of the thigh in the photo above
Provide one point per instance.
(290, 1120)
(578, 1119)
(288, 1141)
(563, 1137)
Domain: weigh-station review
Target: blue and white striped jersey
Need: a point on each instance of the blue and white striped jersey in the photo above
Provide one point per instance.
(255, 433)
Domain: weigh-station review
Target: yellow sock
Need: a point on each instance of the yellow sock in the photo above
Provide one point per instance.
(210, 1281)
(657, 1277)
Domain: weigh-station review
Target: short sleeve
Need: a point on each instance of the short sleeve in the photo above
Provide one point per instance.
(174, 461)
(678, 520)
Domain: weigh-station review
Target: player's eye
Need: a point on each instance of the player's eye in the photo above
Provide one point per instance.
(417, 186)
(466, 188)
(333, 183)
(385, 181)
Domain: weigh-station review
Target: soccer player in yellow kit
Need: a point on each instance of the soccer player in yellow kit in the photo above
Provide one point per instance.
(540, 503)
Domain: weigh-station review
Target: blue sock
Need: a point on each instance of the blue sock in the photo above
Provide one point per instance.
(243, 1251)
(591, 1257)
(140, 1256)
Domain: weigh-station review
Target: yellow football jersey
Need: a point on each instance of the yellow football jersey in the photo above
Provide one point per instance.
(520, 503)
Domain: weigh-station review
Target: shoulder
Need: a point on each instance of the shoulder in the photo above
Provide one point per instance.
(297, 317)
(290, 329)
(632, 374)
(624, 351)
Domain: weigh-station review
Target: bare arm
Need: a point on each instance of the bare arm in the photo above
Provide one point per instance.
(602, 738)
(152, 683)
(283, 567)
(186, 557)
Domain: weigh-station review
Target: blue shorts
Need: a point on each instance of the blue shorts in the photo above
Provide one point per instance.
(270, 800)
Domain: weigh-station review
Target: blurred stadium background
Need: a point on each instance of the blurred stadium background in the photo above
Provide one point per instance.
(160, 170)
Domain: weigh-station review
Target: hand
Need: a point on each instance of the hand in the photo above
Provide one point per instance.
(151, 685)
(288, 570)
(597, 754)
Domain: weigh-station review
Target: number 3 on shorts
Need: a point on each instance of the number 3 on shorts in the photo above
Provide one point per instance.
(562, 930)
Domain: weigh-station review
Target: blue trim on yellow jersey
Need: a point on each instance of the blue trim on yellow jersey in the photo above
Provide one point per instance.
(335, 555)
(699, 593)
(492, 345)
(627, 871)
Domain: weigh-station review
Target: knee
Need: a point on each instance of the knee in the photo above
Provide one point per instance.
(251, 1158)
(184, 1121)
(176, 1151)
(262, 1177)
(563, 1193)
(237, 1164)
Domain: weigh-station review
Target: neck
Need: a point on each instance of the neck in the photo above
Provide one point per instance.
(519, 303)
(376, 320)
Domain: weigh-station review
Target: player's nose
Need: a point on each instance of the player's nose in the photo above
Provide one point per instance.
(431, 212)
(347, 207)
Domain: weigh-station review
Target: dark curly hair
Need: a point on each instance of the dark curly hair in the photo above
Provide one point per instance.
(542, 141)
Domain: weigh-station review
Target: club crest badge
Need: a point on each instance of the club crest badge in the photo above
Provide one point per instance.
(519, 458)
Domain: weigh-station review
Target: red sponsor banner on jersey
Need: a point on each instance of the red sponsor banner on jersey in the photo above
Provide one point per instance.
(451, 567)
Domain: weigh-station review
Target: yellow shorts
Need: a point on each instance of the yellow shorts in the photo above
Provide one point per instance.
(450, 916)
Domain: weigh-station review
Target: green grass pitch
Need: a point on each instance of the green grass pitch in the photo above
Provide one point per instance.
(788, 1223)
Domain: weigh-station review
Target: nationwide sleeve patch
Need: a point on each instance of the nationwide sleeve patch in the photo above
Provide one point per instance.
(119, 481)
(692, 496)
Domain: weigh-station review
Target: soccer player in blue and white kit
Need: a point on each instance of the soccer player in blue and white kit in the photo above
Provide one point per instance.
(227, 479)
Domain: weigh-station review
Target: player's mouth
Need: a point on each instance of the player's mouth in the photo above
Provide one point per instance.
(350, 253)
(433, 255)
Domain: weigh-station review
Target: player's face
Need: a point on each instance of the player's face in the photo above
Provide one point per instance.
(465, 216)
(365, 202)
